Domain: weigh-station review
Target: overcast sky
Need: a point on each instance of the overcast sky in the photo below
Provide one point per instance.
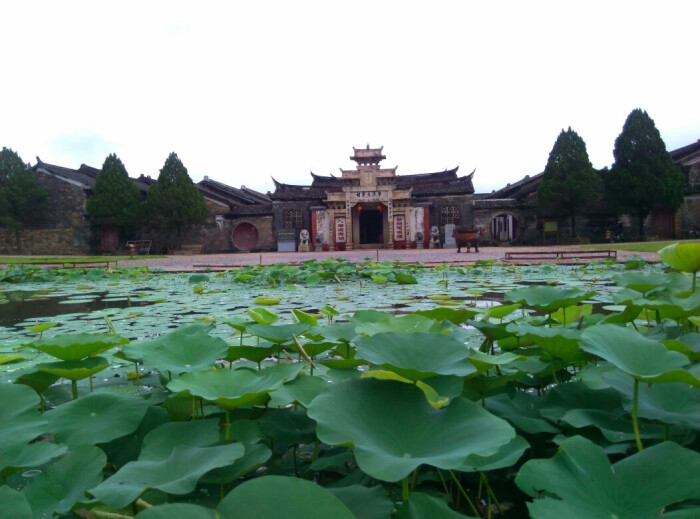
(244, 91)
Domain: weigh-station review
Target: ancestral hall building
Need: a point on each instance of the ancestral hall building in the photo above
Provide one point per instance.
(373, 207)
(368, 207)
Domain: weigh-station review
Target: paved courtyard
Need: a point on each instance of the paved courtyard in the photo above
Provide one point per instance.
(425, 256)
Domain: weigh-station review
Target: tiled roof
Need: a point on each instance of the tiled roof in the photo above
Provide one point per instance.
(85, 176)
(518, 189)
(687, 155)
(232, 195)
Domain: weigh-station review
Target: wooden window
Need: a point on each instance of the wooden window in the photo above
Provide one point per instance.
(292, 219)
(449, 214)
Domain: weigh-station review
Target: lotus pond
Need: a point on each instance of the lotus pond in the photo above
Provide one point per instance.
(369, 390)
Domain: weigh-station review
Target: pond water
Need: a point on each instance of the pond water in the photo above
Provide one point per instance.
(145, 305)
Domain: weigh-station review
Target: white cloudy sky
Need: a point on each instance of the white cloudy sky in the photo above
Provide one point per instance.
(244, 91)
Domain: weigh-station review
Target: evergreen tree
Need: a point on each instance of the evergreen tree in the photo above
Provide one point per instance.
(643, 177)
(23, 199)
(115, 198)
(174, 200)
(569, 182)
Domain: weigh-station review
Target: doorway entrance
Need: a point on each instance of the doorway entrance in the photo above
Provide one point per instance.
(371, 227)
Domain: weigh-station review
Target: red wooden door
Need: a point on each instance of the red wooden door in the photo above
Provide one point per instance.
(245, 236)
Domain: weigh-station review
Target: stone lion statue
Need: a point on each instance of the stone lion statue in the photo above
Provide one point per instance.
(304, 237)
(434, 237)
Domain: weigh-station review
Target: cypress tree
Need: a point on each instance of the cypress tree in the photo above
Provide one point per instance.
(644, 176)
(569, 182)
(115, 198)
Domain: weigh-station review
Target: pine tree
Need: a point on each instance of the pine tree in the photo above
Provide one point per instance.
(174, 200)
(23, 199)
(644, 176)
(569, 182)
(115, 198)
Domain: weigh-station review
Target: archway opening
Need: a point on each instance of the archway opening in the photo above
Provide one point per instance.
(245, 236)
(371, 227)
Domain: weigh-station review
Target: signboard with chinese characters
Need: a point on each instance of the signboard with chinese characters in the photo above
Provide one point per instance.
(340, 229)
(399, 228)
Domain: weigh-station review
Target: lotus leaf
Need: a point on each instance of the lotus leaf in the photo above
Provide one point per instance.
(303, 317)
(454, 315)
(98, 417)
(267, 301)
(523, 411)
(252, 352)
(262, 315)
(548, 298)
(14, 504)
(557, 342)
(293, 499)
(394, 429)
(301, 390)
(645, 359)
(177, 511)
(434, 398)
(579, 482)
(683, 256)
(62, 485)
(234, 388)
(75, 369)
(277, 333)
(159, 443)
(288, 426)
(177, 474)
(20, 424)
(411, 323)
(76, 346)
(255, 455)
(507, 456)
(367, 503)
(421, 506)
(189, 348)
(417, 355)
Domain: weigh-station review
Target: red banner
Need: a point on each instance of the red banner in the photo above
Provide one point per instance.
(399, 228)
(340, 229)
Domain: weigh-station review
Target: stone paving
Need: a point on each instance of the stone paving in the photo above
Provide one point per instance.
(425, 256)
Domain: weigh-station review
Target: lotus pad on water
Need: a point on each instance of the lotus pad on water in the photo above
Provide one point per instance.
(394, 429)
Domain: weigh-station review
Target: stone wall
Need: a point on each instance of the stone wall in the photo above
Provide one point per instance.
(44, 242)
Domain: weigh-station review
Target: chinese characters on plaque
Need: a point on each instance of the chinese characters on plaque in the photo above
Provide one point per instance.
(399, 228)
(340, 229)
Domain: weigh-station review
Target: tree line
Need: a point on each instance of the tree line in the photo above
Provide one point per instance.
(172, 201)
(642, 179)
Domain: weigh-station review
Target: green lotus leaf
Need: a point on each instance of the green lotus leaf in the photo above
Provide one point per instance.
(198, 278)
(252, 352)
(411, 323)
(20, 424)
(435, 399)
(417, 355)
(301, 390)
(237, 323)
(557, 342)
(644, 359)
(177, 474)
(579, 482)
(492, 331)
(547, 298)
(177, 511)
(572, 314)
(267, 301)
(368, 503)
(644, 282)
(75, 369)
(303, 317)
(394, 429)
(14, 504)
(501, 311)
(673, 403)
(288, 426)
(405, 279)
(672, 307)
(234, 388)
(7, 359)
(523, 411)
(507, 456)
(683, 256)
(420, 506)
(62, 485)
(255, 456)
(483, 361)
(76, 346)
(42, 327)
(277, 333)
(159, 443)
(97, 417)
(454, 315)
(189, 348)
(262, 315)
(294, 498)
